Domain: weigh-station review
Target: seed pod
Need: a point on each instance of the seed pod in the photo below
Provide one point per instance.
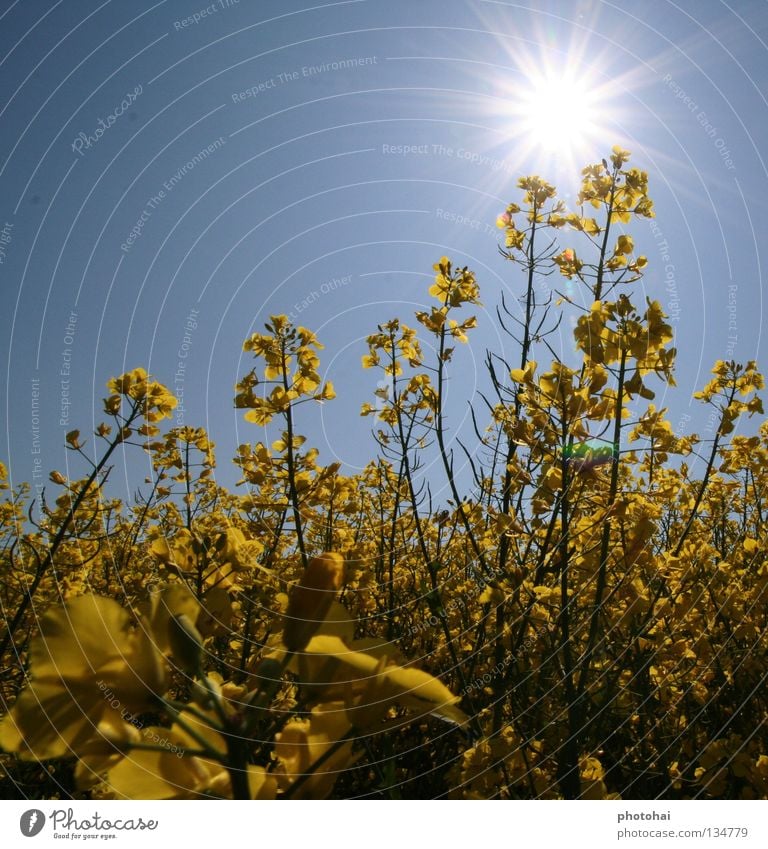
(311, 599)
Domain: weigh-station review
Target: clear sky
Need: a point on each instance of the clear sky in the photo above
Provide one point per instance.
(173, 172)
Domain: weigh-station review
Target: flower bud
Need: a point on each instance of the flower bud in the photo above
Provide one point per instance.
(255, 704)
(269, 678)
(73, 439)
(186, 643)
(311, 599)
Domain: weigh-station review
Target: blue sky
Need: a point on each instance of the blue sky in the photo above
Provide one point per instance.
(171, 173)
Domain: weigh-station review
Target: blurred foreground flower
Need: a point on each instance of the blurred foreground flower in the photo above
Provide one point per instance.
(175, 768)
(90, 666)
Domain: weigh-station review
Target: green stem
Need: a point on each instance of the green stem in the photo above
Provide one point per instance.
(237, 767)
(291, 461)
(605, 541)
(61, 534)
(604, 247)
(194, 734)
(439, 432)
(705, 480)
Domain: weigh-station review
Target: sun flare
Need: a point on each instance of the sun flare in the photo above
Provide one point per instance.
(558, 113)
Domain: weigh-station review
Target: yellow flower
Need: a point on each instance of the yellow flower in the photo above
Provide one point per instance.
(166, 773)
(88, 665)
(619, 156)
(175, 768)
(157, 401)
(105, 749)
(302, 743)
(166, 603)
(178, 555)
(569, 263)
(128, 383)
(311, 599)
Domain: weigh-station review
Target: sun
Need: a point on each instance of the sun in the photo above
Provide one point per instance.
(558, 112)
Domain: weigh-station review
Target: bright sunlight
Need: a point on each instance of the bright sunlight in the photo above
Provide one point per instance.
(558, 113)
(554, 113)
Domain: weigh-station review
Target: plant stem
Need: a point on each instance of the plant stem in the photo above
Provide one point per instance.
(58, 539)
